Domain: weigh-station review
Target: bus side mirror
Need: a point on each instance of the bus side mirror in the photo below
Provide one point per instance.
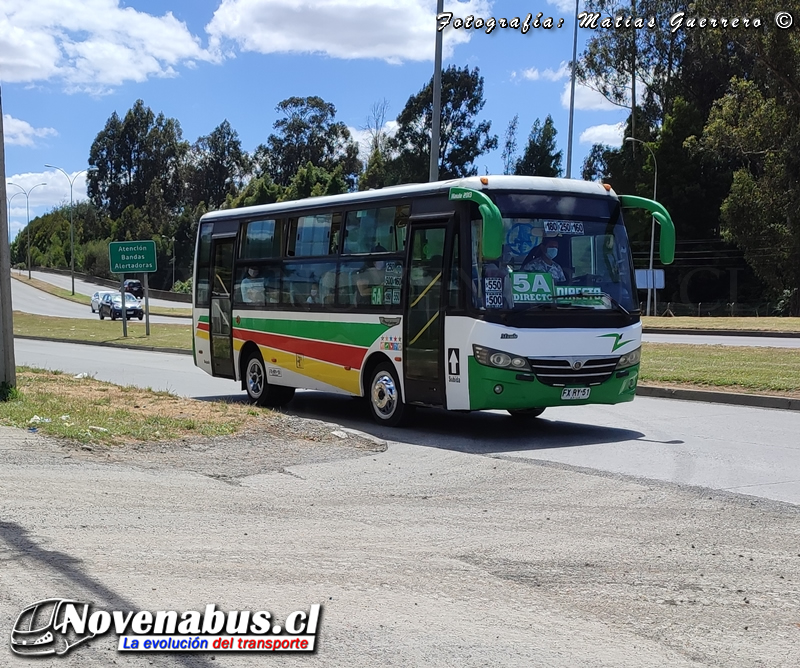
(662, 217)
(492, 240)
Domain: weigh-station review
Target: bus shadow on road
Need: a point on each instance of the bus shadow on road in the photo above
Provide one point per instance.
(480, 432)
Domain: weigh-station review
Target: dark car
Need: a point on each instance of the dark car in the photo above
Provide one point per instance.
(111, 306)
(134, 287)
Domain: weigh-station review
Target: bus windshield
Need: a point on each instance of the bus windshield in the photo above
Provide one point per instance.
(559, 252)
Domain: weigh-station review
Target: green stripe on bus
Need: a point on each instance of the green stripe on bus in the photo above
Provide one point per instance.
(351, 333)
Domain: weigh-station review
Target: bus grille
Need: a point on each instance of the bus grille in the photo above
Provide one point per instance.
(561, 372)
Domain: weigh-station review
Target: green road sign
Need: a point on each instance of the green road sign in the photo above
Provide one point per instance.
(128, 257)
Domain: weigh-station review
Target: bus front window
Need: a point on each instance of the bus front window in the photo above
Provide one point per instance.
(561, 252)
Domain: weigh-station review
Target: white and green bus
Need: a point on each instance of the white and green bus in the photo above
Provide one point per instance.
(493, 292)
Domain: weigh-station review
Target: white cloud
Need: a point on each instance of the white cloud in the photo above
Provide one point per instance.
(22, 133)
(91, 44)
(390, 30)
(43, 198)
(607, 133)
(567, 7)
(534, 74)
(587, 99)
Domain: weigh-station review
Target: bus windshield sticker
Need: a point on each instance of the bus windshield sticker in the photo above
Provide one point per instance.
(539, 287)
(562, 227)
(493, 290)
(532, 286)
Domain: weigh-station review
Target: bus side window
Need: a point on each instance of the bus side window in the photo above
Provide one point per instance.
(454, 287)
(203, 291)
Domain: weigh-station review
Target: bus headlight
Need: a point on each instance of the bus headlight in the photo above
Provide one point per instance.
(630, 359)
(499, 359)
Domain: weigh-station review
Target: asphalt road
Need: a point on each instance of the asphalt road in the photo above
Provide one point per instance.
(87, 288)
(748, 450)
(424, 554)
(30, 300)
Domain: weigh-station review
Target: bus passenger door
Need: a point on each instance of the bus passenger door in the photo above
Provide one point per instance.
(424, 317)
(220, 329)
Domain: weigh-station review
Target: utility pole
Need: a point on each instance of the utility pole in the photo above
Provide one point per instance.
(436, 119)
(8, 367)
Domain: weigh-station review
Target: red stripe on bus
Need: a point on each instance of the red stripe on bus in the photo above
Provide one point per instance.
(203, 326)
(334, 353)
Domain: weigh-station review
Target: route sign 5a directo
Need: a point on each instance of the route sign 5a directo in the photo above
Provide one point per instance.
(126, 257)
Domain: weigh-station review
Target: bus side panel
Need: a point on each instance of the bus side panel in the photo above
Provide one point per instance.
(315, 351)
(202, 343)
(458, 336)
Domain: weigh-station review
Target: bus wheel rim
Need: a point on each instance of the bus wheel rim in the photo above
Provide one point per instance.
(384, 395)
(255, 378)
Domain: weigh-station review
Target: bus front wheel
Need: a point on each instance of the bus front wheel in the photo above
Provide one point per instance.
(525, 413)
(258, 390)
(385, 400)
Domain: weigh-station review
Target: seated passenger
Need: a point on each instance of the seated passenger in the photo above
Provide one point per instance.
(252, 287)
(371, 276)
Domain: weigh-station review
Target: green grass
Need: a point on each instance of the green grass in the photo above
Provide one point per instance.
(88, 410)
(733, 368)
(103, 331)
(87, 301)
(753, 324)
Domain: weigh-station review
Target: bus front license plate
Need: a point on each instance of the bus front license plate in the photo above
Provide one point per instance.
(572, 393)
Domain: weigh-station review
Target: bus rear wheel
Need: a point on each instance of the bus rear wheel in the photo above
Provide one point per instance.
(525, 413)
(385, 400)
(258, 390)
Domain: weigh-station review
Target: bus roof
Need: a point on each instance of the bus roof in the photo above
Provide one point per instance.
(496, 182)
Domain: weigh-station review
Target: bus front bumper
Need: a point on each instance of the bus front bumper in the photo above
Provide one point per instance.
(491, 388)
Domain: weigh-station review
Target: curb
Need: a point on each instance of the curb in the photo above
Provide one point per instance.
(722, 332)
(707, 396)
(716, 397)
(103, 344)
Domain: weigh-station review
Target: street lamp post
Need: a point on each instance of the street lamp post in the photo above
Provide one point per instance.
(572, 93)
(28, 215)
(11, 199)
(71, 225)
(651, 279)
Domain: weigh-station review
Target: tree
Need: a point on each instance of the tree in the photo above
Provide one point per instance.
(761, 214)
(308, 132)
(540, 157)
(218, 167)
(132, 154)
(312, 181)
(509, 154)
(374, 175)
(462, 137)
(653, 54)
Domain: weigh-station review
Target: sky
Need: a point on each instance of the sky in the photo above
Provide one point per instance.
(67, 65)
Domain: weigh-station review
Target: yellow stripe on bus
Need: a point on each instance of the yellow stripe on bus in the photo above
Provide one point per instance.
(325, 372)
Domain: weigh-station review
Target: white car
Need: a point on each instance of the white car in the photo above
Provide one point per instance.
(97, 297)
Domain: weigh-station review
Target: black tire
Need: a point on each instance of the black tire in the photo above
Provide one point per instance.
(102, 317)
(113, 317)
(141, 316)
(385, 397)
(525, 413)
(258, 389)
